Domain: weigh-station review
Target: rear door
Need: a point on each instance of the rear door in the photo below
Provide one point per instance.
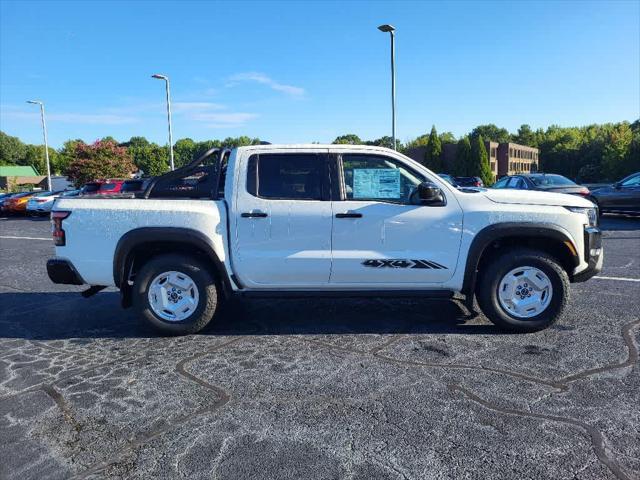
(381, 235)
(283, 219)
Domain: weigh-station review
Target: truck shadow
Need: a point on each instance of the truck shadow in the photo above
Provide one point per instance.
(59, 316)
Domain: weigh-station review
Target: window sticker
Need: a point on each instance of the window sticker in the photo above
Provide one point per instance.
(376, 183)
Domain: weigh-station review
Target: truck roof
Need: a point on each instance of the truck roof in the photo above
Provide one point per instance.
(332, 146)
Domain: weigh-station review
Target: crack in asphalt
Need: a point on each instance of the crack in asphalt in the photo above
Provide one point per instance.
(596, 437)
(62, 404)
(180, 368)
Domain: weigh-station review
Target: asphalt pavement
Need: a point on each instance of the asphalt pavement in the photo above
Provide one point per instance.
(316, 389)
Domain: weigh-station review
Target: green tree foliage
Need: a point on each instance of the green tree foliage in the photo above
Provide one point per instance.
(184, 151)
(462, 162)
(421, 141)
(102, 159)
(348, 139)
(12, 150)
(385, 141)
(433, 153)
(66, 155)
(526, 136)
(35, 157)
(492, 133)
(480, 161)
(151, 158)
(447, 137)
(135, 142)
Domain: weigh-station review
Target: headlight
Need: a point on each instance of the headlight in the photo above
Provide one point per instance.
(590, 212)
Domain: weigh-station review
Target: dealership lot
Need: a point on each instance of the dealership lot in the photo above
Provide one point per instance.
(361, 389)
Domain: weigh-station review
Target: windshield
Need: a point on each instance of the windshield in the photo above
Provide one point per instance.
(550, 180)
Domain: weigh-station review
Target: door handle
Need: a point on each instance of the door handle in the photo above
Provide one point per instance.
(253, 214)
(349, 215)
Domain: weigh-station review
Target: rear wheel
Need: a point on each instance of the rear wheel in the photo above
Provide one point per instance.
(523, 290)
(176, 294)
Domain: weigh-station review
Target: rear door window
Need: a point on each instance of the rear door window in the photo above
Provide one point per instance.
(283, 176)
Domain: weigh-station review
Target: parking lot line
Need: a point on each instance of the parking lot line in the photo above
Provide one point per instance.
(621, 279)
(25, 238)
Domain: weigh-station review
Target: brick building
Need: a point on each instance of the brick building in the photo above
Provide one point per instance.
(514, 158)
(504, 158)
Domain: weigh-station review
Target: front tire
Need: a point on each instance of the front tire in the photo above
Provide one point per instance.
(523, 290)
(176, 294)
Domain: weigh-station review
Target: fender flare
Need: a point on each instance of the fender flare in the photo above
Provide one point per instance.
(491, 233)
(122, 260)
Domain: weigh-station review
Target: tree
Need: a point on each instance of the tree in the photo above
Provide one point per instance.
(135, 142)
(184, 151)
(151, 158)
(102, 159)
(385, 141)
(492, 133)
(447, 137)
(433, 153)
(616, 151)
(35, 158)
(66, 155)
(348, 139)
(421, 141)
(526, 136)
(12, 150)
(480, 161)
(462, 162)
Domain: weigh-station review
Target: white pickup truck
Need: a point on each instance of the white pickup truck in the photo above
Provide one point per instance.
(308, 220)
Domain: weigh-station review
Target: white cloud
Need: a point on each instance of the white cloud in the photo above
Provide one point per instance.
(94, 119)
(266, 80)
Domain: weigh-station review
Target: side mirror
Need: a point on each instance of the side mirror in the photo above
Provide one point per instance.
(617, 185)
(430, 194)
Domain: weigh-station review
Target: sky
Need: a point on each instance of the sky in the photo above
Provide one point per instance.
(299, 72)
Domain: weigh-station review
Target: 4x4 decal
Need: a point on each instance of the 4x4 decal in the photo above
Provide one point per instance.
(403, 263)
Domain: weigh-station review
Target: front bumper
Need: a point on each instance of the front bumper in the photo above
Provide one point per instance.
(63, 271)
(593, 254)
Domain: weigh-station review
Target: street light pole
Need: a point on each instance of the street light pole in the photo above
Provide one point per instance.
(391, 30)
(46, 144)
(166, 79)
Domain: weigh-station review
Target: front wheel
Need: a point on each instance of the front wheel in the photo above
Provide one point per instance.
(523, 290)
(176, 294)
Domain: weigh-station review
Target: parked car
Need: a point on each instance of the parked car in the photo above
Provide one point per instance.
(17, 203)
(448, 178)
(102, 187)
(621, 197)
(545, 182)
(41, 203)
(4, 201)
(345, 220)
(469, 181)
(90, 188)
(110, 186)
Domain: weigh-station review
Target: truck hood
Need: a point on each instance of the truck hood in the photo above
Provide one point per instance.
(533, 197)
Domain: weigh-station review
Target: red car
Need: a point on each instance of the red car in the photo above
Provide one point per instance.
(102, 187)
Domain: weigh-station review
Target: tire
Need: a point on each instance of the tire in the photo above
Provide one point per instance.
(191, 273)
(544, 310)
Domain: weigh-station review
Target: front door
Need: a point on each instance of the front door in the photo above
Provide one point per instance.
(283, 221)
(381, 235)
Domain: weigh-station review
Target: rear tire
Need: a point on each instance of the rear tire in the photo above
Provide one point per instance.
(523, 290)
(176, 294)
